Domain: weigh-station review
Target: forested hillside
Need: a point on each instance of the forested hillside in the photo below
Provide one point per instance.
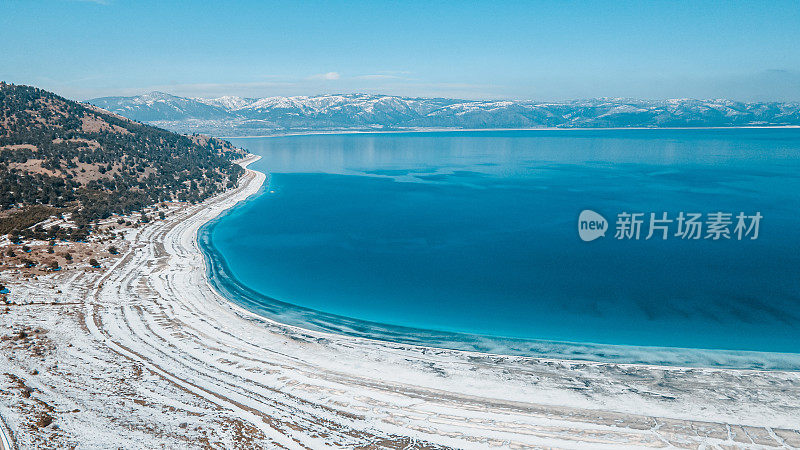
(61, 157)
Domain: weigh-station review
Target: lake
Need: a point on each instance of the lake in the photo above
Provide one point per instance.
(470, 240)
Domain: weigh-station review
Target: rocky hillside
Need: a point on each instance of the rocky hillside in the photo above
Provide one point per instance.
(231, 116)
(59, 157)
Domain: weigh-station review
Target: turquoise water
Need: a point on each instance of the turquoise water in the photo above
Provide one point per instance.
(469, 240)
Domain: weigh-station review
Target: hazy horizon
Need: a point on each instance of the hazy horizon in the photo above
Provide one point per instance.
(785, 77)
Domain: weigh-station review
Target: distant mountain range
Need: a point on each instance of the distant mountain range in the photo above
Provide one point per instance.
(236, 116)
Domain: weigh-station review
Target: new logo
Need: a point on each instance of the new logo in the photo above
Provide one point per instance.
(591, 225)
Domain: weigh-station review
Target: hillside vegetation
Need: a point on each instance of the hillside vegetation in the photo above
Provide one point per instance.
(62, 157)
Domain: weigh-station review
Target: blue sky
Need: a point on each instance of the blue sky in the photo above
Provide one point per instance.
(520, 50)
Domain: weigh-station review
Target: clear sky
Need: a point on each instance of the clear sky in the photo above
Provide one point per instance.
(549, 50)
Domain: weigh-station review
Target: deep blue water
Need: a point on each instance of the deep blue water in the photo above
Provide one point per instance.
(475, 233)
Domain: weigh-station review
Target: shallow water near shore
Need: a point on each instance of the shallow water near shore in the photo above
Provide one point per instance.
(469, 240)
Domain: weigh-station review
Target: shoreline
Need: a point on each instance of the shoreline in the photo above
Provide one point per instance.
(183, 366)
(452, 130)
(310, 320)
(229, 286)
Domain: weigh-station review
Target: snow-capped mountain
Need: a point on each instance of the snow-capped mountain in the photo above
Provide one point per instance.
(158, 106)
(228, 102)
(233, 116)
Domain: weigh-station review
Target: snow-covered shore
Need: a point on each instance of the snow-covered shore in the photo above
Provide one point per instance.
(147, 354)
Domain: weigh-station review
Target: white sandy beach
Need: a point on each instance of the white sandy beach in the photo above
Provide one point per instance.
(146, 354)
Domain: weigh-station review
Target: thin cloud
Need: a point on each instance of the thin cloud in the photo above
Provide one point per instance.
(378, 76)
(326, 76)
(246, 89)
(97, 2)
